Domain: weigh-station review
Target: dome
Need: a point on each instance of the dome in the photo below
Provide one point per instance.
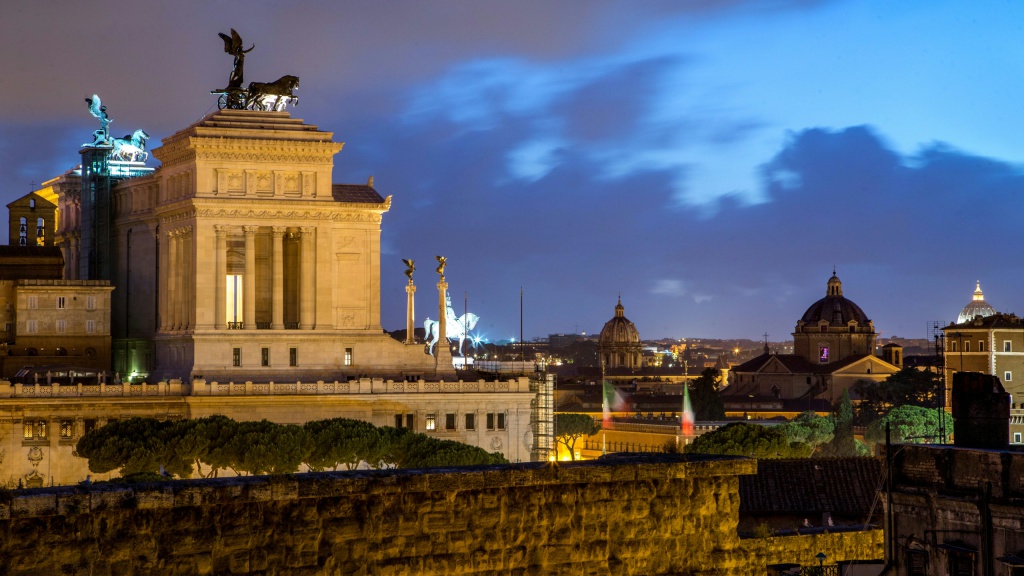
(834, 308)
(619, 330)
(976, 307)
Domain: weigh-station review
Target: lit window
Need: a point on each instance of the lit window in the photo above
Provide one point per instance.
(431, 422)
(449, 421)
(40, 429)
(470, 421)
(66, 429)
(234, 301)
(348, 356)
(823, 354)
(61, 302)
(28, 429)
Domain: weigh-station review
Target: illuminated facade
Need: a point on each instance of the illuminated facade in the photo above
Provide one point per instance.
(976, 307)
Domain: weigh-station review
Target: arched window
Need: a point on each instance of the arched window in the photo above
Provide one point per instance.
(23, 231)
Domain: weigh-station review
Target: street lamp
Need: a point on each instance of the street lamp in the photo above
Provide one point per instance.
(821, 560)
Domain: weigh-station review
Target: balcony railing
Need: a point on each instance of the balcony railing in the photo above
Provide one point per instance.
(236, 325)
(291, 325)
(263, 325)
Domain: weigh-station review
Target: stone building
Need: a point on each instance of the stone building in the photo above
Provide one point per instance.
(619, 343)
(55, 325)
(833, 346)
(32, 219)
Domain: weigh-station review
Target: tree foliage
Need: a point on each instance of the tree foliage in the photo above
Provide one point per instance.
(707, 404)
(908, 387)
(810, 429)
(571, 427)
(843, 443)
(745, 439)
(912, 424)
(142, 446)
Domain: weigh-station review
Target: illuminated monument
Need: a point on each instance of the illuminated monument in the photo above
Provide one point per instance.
(237, 258)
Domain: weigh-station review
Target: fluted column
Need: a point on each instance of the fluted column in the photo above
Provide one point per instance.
(249, 305)
(220, 282)
(410, 313)
(164, 240)
(180, 284)
(307, 304)
(277, 314)
(172, 280)
(189, 280)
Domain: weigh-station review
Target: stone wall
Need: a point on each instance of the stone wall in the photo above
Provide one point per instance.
(802, 548)
(652, 514)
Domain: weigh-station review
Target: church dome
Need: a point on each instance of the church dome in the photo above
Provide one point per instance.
(619, 330)
(834, 308)
(976, 307)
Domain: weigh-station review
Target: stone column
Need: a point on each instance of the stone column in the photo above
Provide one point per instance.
(307, 302)
(172, 280)
(277, 322)
(188, 281)
(442, 349)
(163, 241)
(249, 281)
(410, 323)
(220, 283)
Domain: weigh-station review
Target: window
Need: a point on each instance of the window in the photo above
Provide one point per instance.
(236, 356)
(1007, 347)
(234, 301)
(62, 326)
(952, 346)
(348, 356)
(398, 420)
(449, 421)
(917, 563)
(1007, 376)
(967, 346)
(33, 302)
(34, 430)
(293, 356)
(90, 302)
(961, 564)
(90, 326)
(66, 429)
(431, 422)
(90, 425)
(31, 326)
(62, 302)
(496, 421)
(264, 356)
(981, 345)
(470, 421)
(1016, 437)
(823, 354)
(410, 421)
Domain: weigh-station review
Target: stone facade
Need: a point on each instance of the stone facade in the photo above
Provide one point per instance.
(55, 325)
(40, 424)
(668, 514)
(956, 511)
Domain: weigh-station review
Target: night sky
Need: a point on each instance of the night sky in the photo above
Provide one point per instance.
(709, 160)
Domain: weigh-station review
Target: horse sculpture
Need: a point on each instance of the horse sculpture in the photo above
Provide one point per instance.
(273, 96)
(456, 327)
(131, 148)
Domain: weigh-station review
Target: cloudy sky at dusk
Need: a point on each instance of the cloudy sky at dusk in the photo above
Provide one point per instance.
(710, 160)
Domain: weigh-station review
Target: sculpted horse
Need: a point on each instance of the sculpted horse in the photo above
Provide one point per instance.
(456, 327)
(273, 96)
(131, 148)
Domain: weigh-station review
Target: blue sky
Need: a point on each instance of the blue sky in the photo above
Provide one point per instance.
(709, 160)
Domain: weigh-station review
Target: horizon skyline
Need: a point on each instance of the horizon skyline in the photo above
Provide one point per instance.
(711, 163)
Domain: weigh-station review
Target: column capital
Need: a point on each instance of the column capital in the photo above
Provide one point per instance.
(250, 230)
(307, 230)
(220, 230)
(278, 231)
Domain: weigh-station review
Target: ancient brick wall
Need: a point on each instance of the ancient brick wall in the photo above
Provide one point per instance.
(657, 514)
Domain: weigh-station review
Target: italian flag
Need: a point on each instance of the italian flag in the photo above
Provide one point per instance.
(686, 419)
